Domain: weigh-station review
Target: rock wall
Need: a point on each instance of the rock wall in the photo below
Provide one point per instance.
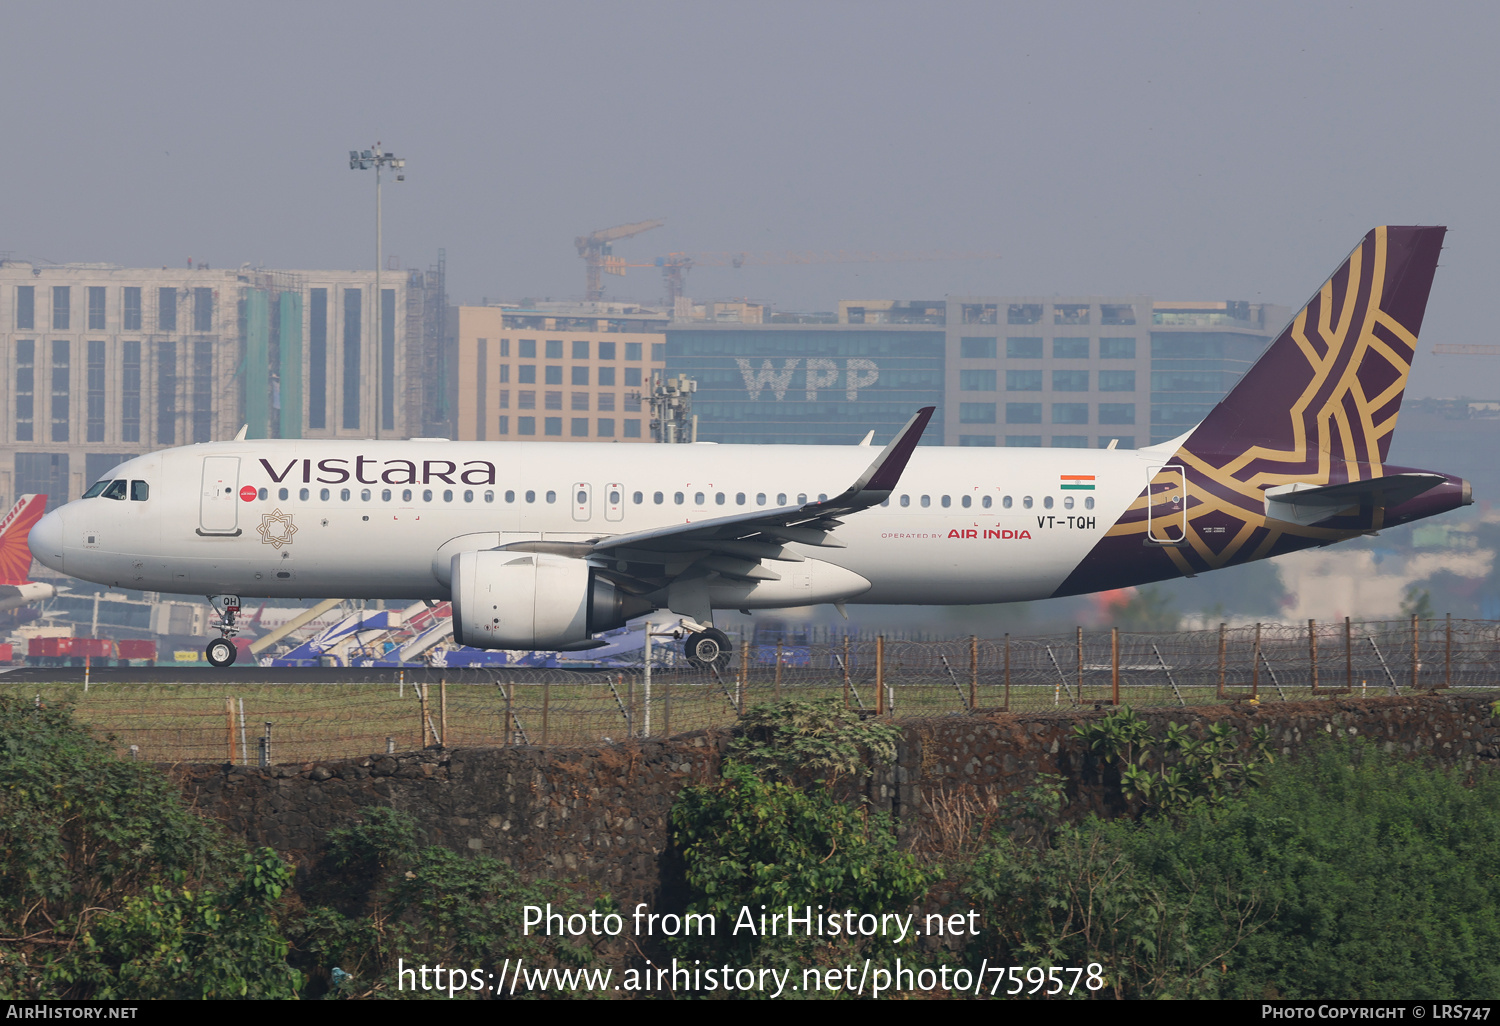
(599, 814)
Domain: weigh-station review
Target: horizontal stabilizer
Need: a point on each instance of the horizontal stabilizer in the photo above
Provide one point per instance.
(1303, 503)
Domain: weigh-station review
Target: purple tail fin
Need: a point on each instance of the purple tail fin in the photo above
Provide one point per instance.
(1323, 399)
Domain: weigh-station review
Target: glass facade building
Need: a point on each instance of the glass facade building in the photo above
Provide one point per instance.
(809, 384)
(1192, 369)
(1088, 371)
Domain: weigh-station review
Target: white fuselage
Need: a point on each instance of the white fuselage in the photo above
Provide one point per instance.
(365, 519)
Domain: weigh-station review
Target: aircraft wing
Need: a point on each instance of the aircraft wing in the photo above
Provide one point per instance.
(734, 546)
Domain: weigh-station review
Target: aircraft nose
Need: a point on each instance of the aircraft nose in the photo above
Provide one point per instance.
(46, 540)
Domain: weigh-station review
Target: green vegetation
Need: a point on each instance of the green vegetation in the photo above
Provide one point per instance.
(755, 839)
(1177, 772)
(1418, 604)
(1220, 873)
(1345, 874)
(799, 738)
(1148, 609)
(386, 899)
(110, 888)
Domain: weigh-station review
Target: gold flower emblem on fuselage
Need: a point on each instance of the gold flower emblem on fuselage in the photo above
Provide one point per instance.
(276, 529)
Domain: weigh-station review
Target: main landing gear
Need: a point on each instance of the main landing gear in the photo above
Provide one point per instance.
(221, 651)
(708, 648)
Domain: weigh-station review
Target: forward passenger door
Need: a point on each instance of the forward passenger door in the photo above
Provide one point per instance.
(219, 503)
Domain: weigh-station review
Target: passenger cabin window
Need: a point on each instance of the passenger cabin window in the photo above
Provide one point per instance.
(1047, 502)
(262, 494)
(1088, 502)
(531, 496)
(406, 495)
(304, 494)
(760, 498)
(1026, 501)
(364, 495)
(658, 498)
(385, 495)
(987, 501)
(510, 496)
(801, 498)
(905, 500)
(926, 501)
(966, 501)
(1004, 502)
(946, 502)
(282, 493)
(781, 498)
(490, 497)
(551, 496)
(697, 498)
(1067, 502)
(323, 494)
(677, 497)
(343, 495)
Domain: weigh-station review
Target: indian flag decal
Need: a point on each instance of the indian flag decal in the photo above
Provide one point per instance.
(1077, 482)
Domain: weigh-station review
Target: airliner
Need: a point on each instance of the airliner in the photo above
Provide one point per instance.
(545, 546)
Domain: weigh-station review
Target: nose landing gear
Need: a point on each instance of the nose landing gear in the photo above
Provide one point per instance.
(221, 651)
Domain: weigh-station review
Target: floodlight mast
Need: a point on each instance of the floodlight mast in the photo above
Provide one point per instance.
(363, 160)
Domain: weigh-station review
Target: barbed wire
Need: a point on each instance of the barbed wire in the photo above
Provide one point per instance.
(244, 723)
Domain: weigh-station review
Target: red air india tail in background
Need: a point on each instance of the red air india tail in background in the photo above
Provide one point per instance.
(15, 554)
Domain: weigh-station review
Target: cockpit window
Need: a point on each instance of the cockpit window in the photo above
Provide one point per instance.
(140, 491)
(96, 488)
(116, 490)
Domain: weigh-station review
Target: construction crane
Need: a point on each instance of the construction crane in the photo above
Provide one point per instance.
(675, 266)
(598, 258)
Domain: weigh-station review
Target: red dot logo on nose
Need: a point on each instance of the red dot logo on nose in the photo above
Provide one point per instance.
(247, 493)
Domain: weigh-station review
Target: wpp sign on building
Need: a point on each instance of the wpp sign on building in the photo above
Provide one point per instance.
(818, 384)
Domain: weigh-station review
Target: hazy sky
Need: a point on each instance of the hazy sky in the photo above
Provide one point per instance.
(1194, 151)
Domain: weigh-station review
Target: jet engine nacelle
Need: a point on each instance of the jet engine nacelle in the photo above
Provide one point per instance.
(532, 600)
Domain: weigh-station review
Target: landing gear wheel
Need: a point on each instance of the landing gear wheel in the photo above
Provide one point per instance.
(221, 652)
(708, 648)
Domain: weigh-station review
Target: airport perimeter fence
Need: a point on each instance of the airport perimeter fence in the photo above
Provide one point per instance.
(249, 723)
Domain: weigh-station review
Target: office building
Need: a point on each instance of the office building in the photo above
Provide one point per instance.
(103, 363)
(1088, 371)
(557, 372)
(817, 384)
